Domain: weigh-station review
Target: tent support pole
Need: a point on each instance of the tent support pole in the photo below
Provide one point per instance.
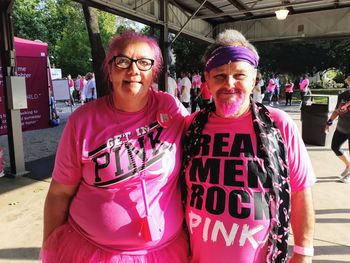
(13, 116)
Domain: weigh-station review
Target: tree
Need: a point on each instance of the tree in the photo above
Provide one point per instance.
(188, 55)
(61, 24)
(97, 50)
(307, 56)
(28, 16)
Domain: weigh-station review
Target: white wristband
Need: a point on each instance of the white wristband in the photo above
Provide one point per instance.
(305, 251)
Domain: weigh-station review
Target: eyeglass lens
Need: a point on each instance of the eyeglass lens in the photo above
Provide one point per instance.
(141, 63)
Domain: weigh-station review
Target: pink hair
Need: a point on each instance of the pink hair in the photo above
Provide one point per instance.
(130, 37)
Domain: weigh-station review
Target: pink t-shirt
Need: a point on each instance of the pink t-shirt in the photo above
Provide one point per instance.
(109, 204)
(303, 85)
(196, 81)
(206, 95)
(289, 87)
(272, 85)
(226, 213)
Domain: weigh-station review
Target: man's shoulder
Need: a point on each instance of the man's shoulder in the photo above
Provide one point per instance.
(279, 116)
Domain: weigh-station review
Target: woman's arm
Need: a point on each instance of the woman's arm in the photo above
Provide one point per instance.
(329, 122)
(56, 206)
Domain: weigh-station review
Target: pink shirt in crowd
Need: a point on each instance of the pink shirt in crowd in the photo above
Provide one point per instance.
(227, 213)
(289, 87)
(206, 95)
(109, 205)
(304, 84)
(271, 85)
(196, 81)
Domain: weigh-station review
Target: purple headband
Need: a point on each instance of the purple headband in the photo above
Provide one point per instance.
(226, 54)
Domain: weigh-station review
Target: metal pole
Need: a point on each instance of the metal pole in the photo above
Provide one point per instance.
(164, 44)
(8, 63)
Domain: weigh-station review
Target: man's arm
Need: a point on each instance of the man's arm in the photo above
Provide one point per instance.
(303, 223)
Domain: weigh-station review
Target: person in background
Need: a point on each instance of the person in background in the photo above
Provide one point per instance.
(304, 87)
(195, 90)
(246, 169)
(54, 118)
(114, 194)
(270, 90)
(288, 87)
(172, 85)
(342, 131)
(277, 89)
(204, 93)
(90, 89)
(179, 88)
(77, 88)
(257, 96)
(82, 88)
(185, 90)
(71, 89)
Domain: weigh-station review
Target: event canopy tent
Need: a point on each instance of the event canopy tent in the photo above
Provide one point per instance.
(32, 64)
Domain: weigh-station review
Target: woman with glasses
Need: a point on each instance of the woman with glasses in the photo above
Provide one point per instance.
(114, 195)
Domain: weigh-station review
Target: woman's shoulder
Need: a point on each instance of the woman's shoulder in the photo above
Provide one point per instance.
(166, 101)
(164, 98)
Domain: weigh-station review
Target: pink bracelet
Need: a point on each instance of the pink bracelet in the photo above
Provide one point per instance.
(305, 251)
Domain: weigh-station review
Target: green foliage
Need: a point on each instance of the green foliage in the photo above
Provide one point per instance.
(297, 57)
(188, 55)
(73, 49)
(331, 73)
(124, 24)
(28, 16)
(339, 77)
(107, 24)
(61, 24)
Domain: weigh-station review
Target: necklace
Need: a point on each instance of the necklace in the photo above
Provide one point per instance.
(149, 229)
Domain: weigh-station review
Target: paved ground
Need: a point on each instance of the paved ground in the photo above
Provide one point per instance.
(21, 200)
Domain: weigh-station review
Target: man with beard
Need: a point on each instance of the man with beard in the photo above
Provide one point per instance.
(246, 170)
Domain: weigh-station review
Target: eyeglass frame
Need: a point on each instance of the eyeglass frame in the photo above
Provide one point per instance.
(131, 61)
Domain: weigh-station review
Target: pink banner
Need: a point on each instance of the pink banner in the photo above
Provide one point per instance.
(32, 66)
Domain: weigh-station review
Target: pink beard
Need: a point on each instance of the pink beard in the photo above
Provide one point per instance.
(230, 107)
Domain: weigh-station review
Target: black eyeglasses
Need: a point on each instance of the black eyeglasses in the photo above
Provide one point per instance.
(123, 62)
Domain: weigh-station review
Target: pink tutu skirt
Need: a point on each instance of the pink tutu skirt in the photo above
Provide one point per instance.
(65, 245)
